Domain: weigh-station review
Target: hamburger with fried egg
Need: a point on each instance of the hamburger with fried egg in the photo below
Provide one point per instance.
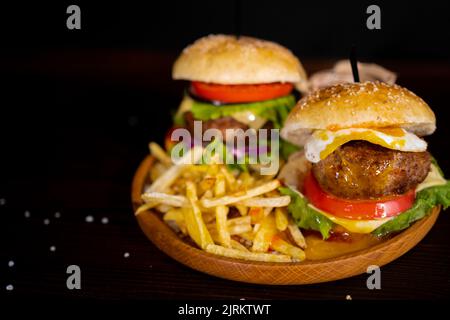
(364, 168)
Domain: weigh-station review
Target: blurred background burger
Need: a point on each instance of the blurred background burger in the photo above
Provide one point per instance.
(237, 83)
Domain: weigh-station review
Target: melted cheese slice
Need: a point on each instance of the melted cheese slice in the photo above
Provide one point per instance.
(433, 179)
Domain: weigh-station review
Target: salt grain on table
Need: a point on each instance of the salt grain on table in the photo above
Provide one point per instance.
(126, 255)
(27, 214)
(9, 287)
(52, 248)
(46, 221)
(89, 219)
(2, 201)
(105, 220)
(57, 215)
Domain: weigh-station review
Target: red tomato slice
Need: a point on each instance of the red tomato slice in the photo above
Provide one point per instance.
(356, 209)
(241, 92)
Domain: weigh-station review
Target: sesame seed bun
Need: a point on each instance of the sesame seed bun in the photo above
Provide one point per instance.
(358, 105)
(225, 59)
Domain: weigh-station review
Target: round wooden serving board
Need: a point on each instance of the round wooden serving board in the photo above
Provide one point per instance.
(271, 273)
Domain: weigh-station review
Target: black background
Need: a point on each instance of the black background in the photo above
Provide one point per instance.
(79, 107)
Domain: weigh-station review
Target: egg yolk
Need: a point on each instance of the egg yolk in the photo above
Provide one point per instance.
(369, 136)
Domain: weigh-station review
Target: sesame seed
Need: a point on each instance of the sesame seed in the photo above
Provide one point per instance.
(57, 215)
(46, 221)
(89, 219)
(126, 255)
(27, 214)
(10, 263)
(105, 220)
(52, 248)
(10, 287)
(348, 297)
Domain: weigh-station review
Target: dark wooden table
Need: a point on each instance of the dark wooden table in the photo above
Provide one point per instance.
(75, 126)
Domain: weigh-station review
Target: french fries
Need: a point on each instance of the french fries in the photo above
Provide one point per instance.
(222, 227)
(164, 198)
(281, 219)
(297, 235)
(272, 202)
(282, 246)
(234, 214)
(264, 235)
(193, 216)
(239, 254)
(226, 200)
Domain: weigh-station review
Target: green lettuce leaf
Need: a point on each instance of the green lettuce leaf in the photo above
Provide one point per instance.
(305, 216)
(275, 110)
(425, 201)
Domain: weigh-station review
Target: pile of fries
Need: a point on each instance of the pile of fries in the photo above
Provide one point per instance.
(229, 213)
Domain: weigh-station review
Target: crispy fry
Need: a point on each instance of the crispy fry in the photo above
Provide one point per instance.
(221, 225)
(278, 244)
(282, 201)
(160, 154)
(297, 235)
(226, 200)
(194, 221)
(238, 254)
(219, 187)
(166, 179)
(144, 207)
(264, 235)
(164, 198)
(281, 219)
(239, 228)
(239, 221)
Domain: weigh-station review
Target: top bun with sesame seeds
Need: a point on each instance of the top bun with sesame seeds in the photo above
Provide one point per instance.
(226, 59)
(358, 105)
